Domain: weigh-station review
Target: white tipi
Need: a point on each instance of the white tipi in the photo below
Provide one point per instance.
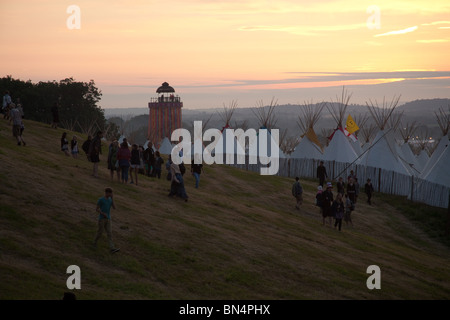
(165, 146)
(267, 120)
(443, 120)
(440, 171)
(228, 156)
(309, 146)
(405, 153)
(382, 152)
(339, 148)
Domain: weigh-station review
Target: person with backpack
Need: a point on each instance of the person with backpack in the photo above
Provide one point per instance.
(297, 192)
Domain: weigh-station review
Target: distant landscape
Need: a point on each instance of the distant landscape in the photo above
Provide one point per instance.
(134, 121)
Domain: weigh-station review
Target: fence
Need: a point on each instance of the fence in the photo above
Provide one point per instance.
(385, 181)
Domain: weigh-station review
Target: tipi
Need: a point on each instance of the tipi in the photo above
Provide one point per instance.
(229, 156)
(406, 131)
(165, 147)
(443, 120)
(382, 153)
(267, 120)
(339, 148)
(440, 172)
(356, 144)
(309, 146)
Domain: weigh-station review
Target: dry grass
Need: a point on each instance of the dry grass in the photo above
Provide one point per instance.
(238, 237)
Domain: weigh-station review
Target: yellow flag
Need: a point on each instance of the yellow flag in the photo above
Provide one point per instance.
(351, 126)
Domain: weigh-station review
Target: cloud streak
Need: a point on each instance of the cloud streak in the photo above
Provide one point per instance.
(403, 31)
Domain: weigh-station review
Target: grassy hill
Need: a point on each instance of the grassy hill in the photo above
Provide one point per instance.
(238, 237)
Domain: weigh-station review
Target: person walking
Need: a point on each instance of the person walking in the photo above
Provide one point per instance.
(327, 202)
(158, 164)
(135, 163)
(368, 189)
(297, 192)
(95, 149)
(6, 105)
(74, 147)
(85, 146)
(177, 184)
(340, 185)
(322, 173)
(352, 175)
(149, 158)
(65, 144)
(349, 207)
(124, 157)
(104, 205)
(16, 119)
(113, 164)
(319, 198)
(338, 211)
(196, 170)
(351, 190)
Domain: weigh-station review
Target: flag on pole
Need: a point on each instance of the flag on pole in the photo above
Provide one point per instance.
(351, 125)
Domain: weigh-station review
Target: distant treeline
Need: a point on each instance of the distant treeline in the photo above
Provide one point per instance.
(77, 103)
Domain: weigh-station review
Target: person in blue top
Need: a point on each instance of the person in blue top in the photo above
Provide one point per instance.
(104, 205)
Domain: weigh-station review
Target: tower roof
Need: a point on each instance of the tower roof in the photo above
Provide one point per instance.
(165, 88)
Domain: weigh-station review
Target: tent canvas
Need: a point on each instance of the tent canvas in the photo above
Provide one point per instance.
(306, 149)
(165, 146)
(357, 147)
(410, 160)
(435, 156)
(382, 154)
(339, 149)
(422, 159)
(440, 171)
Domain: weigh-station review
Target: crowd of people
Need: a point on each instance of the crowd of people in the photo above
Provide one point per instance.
(339, 207)
(127, 162)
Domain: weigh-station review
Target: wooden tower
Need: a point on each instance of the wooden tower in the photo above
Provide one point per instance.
(164, 114)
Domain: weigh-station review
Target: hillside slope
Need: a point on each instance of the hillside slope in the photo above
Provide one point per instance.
(238, 237)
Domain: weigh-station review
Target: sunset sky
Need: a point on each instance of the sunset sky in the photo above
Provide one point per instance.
(213, 52)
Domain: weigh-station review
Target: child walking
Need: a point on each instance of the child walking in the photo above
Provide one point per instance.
(338, 210)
